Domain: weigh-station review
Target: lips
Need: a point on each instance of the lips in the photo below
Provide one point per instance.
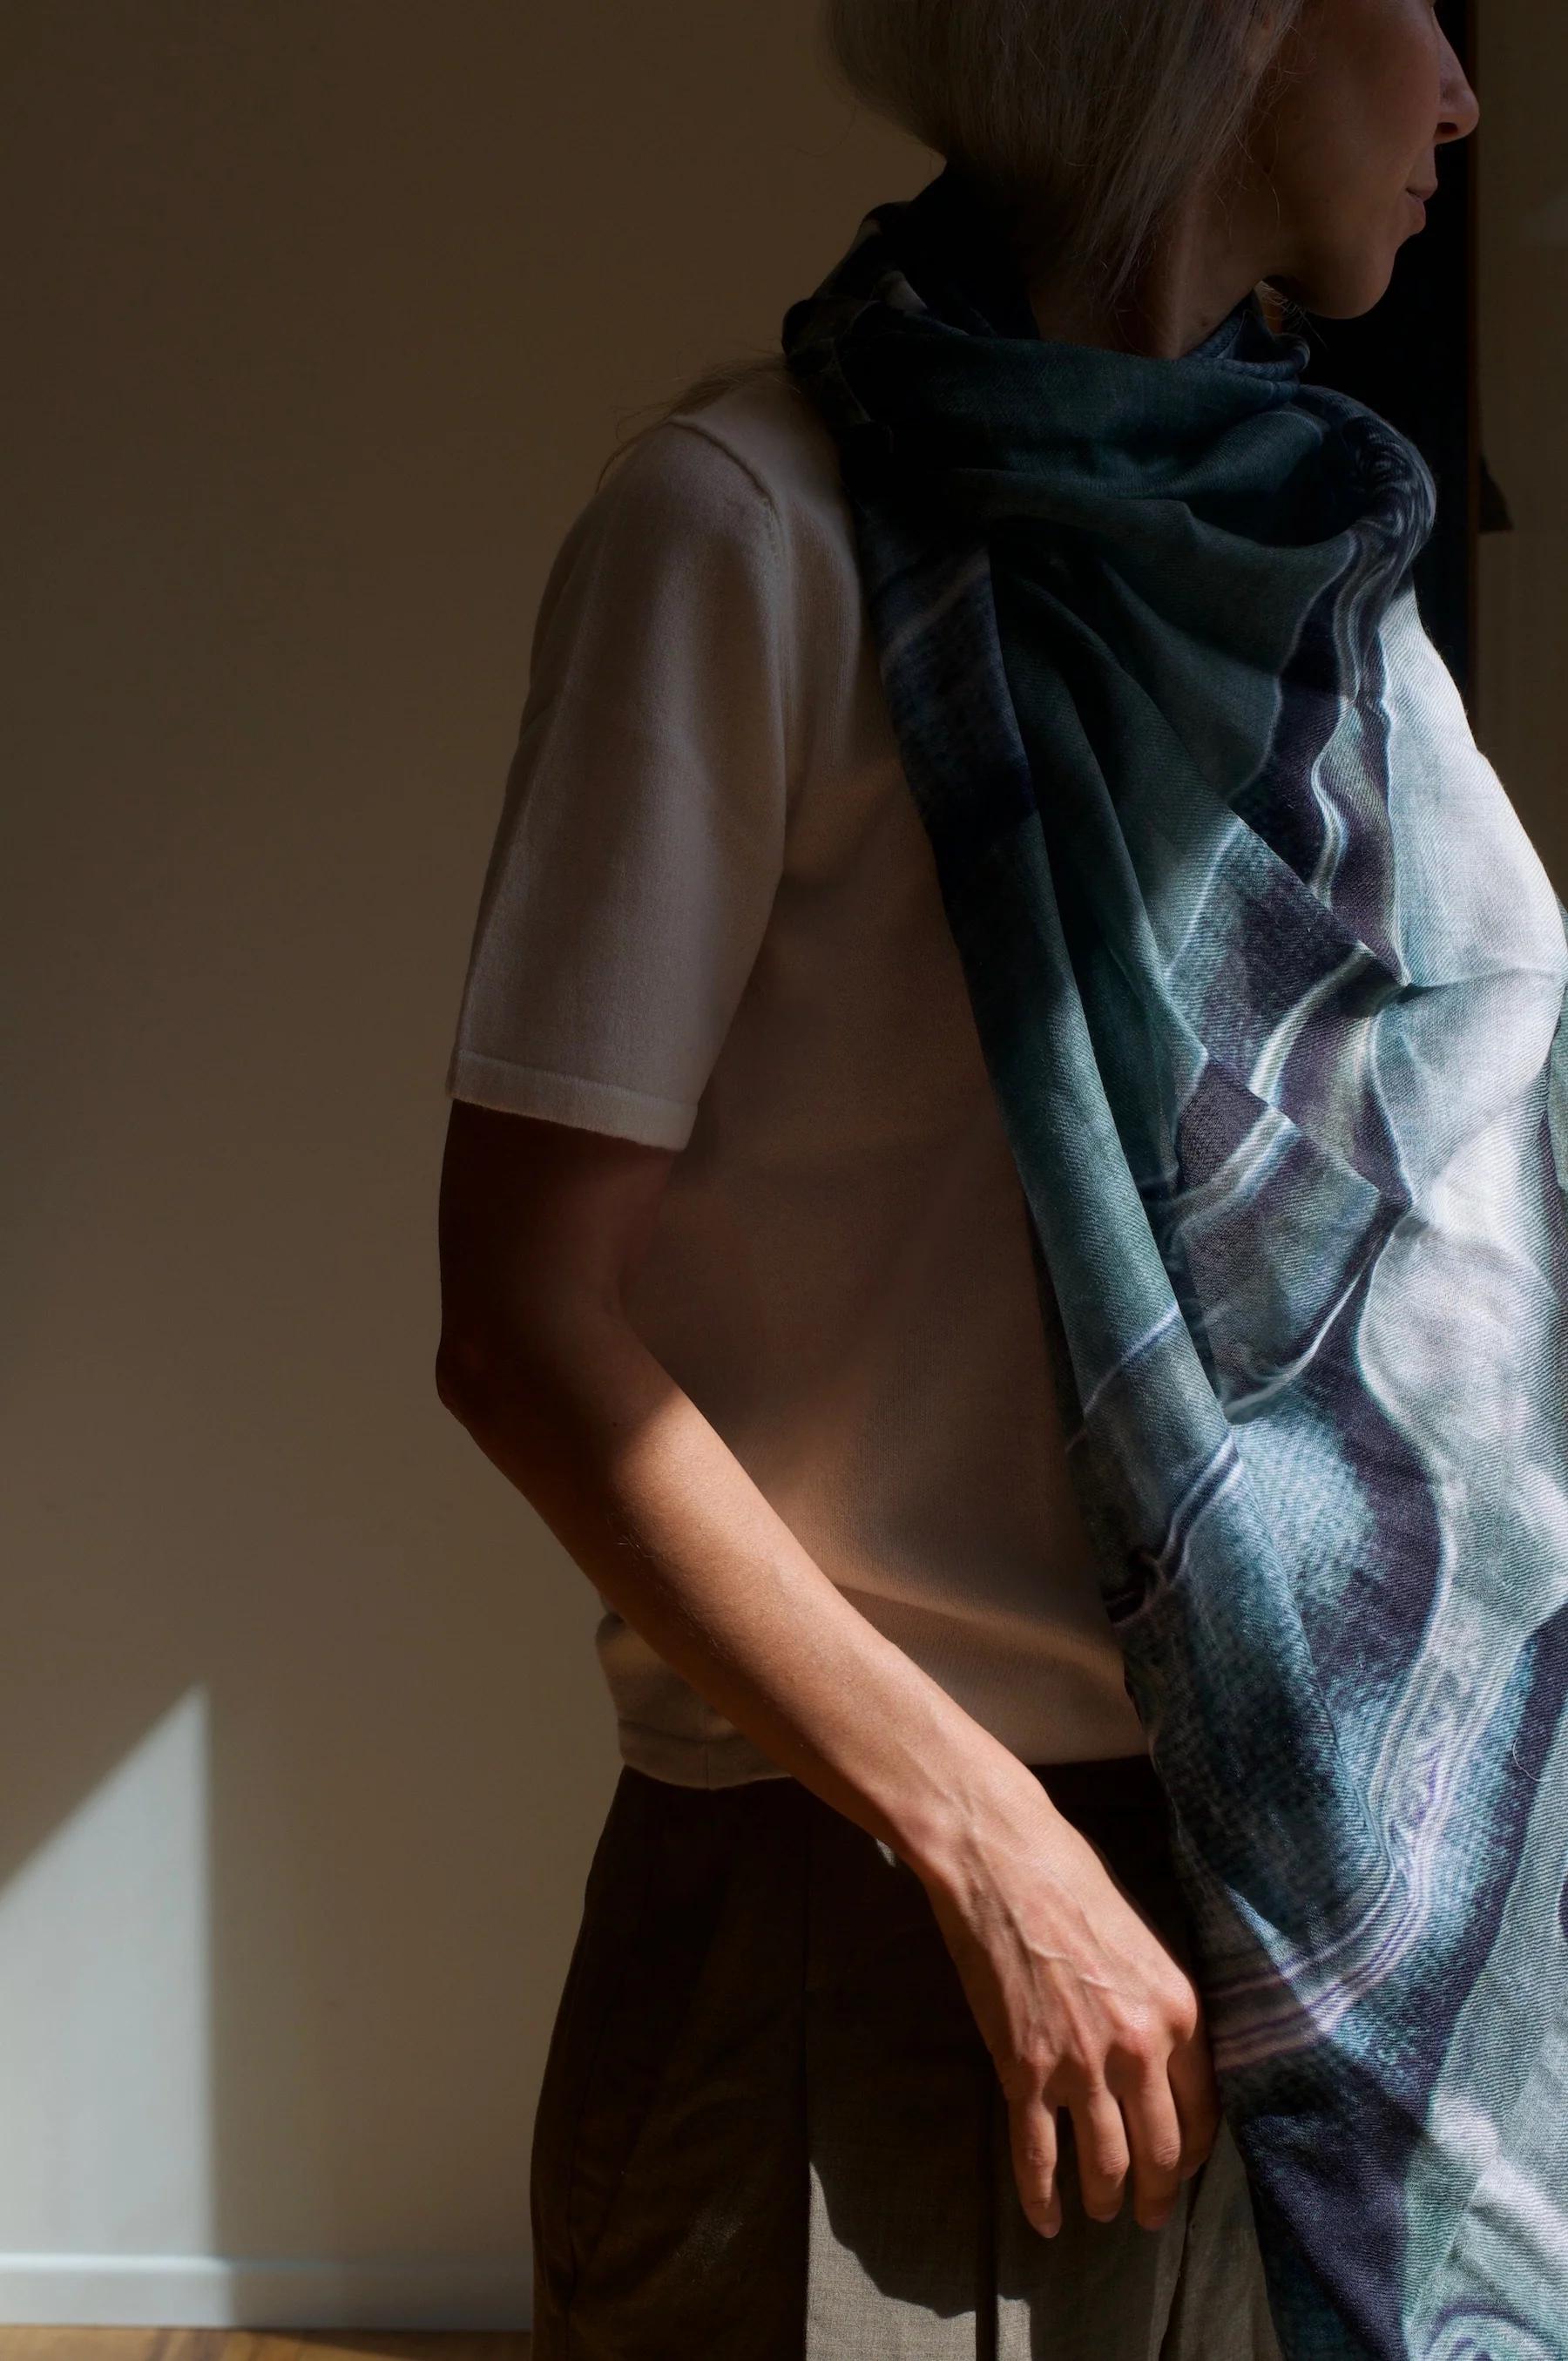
(1430, 190)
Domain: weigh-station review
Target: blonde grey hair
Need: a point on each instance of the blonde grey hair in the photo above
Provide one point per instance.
(1080, 121)
(1083, 120)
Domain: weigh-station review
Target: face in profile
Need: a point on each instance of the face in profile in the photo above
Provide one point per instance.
(1345, 145)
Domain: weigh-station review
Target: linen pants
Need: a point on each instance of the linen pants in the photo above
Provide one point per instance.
(769, 2129)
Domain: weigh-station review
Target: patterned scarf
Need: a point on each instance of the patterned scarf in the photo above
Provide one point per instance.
(1269, 983)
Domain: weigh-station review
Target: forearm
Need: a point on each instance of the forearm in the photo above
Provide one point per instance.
(654, 1507)
(1078, 2001)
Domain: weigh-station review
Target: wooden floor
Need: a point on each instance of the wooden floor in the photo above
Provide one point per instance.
(254, 2344)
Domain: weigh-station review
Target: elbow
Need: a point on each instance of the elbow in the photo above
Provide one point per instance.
(518, 1371)
(486, 1377)
(466, 1378)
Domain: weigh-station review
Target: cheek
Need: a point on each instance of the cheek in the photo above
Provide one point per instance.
(1367, 109)
(1395, 97)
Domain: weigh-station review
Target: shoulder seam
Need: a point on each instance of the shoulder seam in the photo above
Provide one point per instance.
(694, 425)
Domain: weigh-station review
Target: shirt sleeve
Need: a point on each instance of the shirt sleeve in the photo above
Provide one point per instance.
(641, 833)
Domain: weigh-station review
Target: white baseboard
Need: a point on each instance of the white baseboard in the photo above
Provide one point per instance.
(241, 2292)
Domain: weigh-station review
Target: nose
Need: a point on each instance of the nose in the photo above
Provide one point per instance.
(1461, 107)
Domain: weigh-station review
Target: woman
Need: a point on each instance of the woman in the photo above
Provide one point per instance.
(881, 2035)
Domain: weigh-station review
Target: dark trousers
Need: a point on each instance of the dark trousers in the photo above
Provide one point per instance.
(768, 2128)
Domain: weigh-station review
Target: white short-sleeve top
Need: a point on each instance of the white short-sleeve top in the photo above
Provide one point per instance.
(711, 920)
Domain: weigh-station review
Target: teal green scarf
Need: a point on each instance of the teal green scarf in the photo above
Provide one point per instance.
(1270, 986)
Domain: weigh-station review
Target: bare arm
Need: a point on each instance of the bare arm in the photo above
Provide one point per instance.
(541, 1225)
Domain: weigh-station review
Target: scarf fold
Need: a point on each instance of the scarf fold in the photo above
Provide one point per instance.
(1270, 987)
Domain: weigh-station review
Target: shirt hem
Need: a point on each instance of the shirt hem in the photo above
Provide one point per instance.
(729, 1761)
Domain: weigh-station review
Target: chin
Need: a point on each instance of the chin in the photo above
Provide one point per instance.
(1343, 290)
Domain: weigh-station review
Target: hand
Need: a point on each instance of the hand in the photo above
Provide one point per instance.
(1082, 2006)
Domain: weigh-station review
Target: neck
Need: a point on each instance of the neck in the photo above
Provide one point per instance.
(1193, 276)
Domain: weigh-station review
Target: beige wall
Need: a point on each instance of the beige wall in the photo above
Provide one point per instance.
(328, 313)
(323, 313)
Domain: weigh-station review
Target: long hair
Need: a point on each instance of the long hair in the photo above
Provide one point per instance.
(1080, 122)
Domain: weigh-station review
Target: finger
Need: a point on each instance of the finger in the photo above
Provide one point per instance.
(1191, 2076)
(1193, 2086)
(1153, 2137)
(1101, 2138)
(1032, 2131)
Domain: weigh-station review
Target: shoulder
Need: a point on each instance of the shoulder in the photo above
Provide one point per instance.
(757, 460)
(721, 543)
(767, 428)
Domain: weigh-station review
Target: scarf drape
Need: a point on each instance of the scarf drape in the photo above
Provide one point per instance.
(1270, 984)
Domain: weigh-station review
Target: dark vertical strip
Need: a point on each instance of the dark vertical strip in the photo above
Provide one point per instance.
(1413, 359)
(989, 2164)
(1460, 24)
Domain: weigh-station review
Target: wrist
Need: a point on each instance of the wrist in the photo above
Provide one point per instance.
(990, 1805)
